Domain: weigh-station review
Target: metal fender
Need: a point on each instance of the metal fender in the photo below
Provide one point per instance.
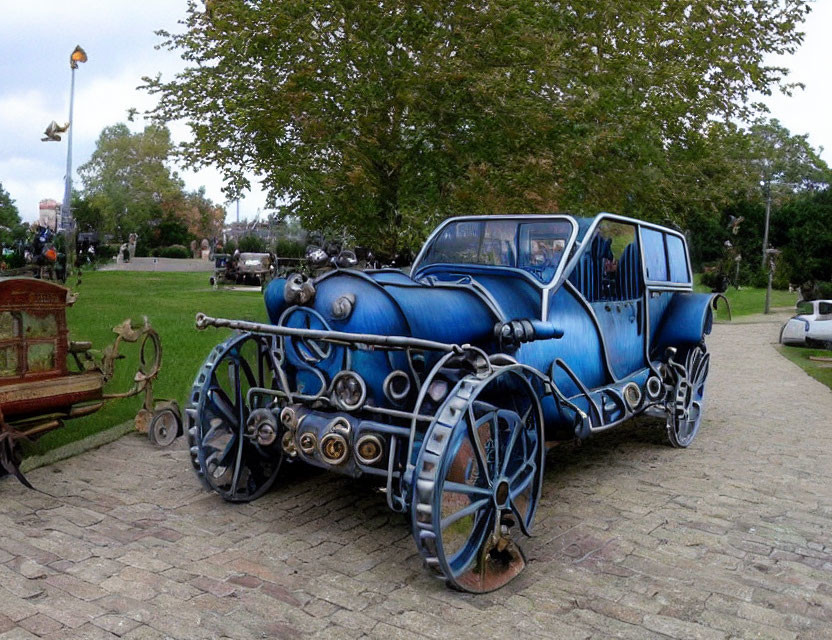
(688, 319)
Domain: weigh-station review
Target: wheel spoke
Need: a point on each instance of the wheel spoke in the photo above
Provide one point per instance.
(515, 491)
(465, 511)
(246, 368)
(490, 419)
(223, 403)
(479, 451)
(519, 471)
(516, 428)
(521, 519)
(467, 489)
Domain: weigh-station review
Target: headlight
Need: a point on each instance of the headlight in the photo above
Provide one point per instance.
(349, 390)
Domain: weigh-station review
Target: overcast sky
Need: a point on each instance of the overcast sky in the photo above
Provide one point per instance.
(36, 38)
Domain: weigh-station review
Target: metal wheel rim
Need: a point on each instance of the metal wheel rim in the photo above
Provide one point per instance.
(239, 470)
(514, 460)
(689, 399)
(164, 428)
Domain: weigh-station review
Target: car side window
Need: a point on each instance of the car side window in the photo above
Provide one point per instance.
(610, 267)
(655, 259)
(825, 311)
(677, 260)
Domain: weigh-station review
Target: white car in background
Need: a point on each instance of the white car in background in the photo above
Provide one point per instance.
(812, 327)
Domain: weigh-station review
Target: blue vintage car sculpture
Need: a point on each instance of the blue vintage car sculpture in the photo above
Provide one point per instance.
(449, 384)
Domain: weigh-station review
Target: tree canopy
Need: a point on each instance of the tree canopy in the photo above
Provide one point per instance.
(129, 187)
(127, 179)
(380, 117)
(11, 227)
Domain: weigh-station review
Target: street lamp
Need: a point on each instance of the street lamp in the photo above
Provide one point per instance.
(67, 223)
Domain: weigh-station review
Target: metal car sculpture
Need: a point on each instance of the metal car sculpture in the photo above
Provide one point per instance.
(812, 327)
(511, 333)
(46, 378)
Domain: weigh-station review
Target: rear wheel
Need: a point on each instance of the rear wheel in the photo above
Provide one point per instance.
(687, 399)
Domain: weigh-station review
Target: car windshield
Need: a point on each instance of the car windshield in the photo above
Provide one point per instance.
(536, 247)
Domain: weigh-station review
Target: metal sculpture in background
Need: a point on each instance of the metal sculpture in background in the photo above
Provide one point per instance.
(45, 378)
(511, 334)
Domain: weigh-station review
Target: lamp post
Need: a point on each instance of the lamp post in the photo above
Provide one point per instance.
(67, 223)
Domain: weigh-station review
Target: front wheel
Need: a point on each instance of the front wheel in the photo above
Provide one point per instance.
(478, 478)
(225, 450)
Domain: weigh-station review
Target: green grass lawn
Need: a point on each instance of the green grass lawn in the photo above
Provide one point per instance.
(170, 301)
(749, 300)
(821, 371)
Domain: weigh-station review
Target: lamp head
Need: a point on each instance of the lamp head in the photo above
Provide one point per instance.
(78, 55)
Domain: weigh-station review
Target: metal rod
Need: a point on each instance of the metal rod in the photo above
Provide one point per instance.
(766, 226)
(390, 342)
(67, 226)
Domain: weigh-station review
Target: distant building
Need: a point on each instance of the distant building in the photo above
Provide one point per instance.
(48, 214)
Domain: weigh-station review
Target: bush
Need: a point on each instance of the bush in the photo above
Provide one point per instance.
(251, 244)
(286, 248)
(229, 247)
(176, 251)
(714, 280)
(106, 252)
(824, 290)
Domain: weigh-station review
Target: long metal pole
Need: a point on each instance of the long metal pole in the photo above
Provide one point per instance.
(67, 223)
(765, 230)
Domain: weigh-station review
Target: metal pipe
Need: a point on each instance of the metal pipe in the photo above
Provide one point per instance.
(342, 337)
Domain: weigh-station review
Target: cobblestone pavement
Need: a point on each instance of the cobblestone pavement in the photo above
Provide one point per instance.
(730, 538)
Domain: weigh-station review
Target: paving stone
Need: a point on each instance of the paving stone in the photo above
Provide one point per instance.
(40, 624)
(115, 624)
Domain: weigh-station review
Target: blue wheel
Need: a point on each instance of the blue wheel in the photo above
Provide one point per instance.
(687, 400)
(477, 480)
(225, 449)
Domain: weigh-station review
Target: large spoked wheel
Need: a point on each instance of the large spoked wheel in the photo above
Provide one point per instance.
(687, 401)
(226, 455)
(478, 478)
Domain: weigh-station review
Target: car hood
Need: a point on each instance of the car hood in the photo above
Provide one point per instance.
(387, 303)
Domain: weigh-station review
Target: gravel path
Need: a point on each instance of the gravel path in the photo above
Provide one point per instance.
(160, 264)
(730, 538)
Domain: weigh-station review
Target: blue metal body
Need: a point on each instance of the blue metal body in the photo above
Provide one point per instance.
(507, 330)
(597, 342)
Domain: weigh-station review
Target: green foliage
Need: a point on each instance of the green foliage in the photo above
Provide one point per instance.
(176, 251)
(127, 181)
(106, 252)
(230, 247)
(790, 169)
(806, 236)
(251, 243)
(378, 119)
(11, 228)
(288, 248)
(172, 231)
(748, 300)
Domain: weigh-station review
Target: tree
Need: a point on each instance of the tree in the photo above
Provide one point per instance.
(127, 179)
(806, 223)
(11, 227)
(768, 165)
(785, 164)
(379, 117)
(202, 217)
